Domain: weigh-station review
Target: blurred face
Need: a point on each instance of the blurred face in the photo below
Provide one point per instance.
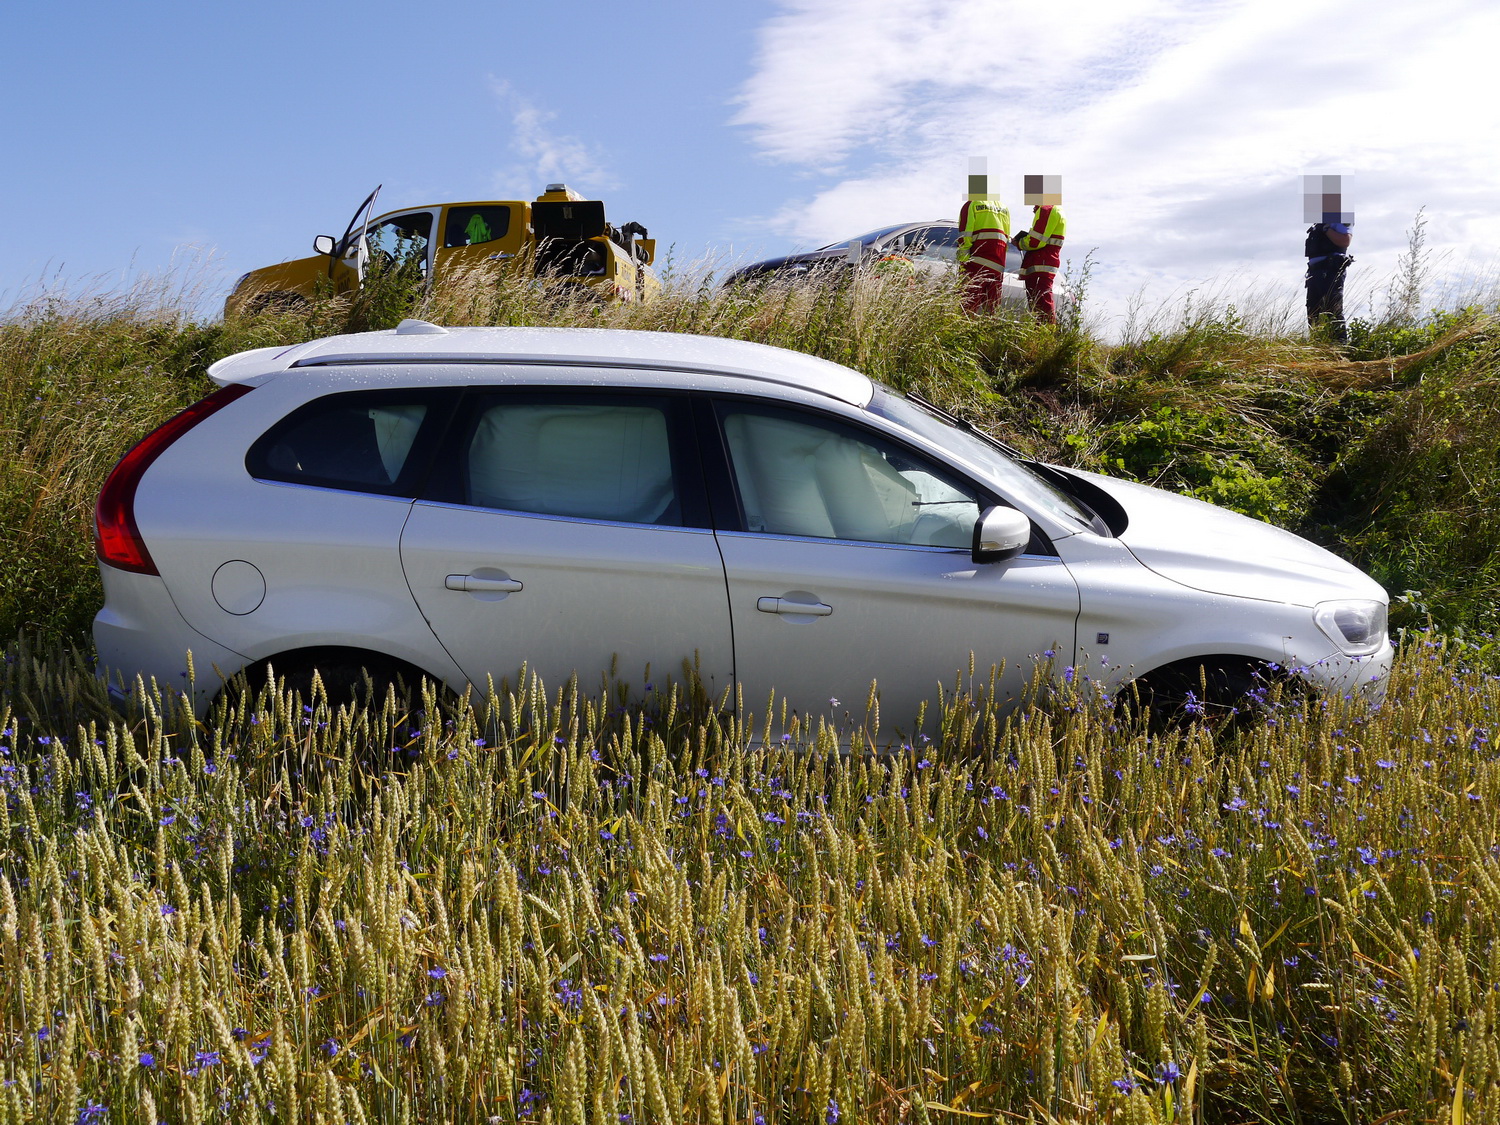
(1044, 191)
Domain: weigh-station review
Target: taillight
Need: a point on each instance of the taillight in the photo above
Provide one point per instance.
(116, 537)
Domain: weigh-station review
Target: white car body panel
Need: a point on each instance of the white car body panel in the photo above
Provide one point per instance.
(665, 353)
(139, 633)
(1208, 548)
(594, 595)
(906, 618)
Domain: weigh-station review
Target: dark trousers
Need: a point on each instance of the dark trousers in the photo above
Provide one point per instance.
(1325, 295)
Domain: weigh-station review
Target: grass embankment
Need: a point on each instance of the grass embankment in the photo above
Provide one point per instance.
(554, 910)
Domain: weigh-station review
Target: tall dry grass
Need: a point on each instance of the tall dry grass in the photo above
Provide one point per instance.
(546, 909)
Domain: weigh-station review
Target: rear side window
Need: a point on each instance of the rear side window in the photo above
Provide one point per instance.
(469, 226)
(365, 441)
(575, 455)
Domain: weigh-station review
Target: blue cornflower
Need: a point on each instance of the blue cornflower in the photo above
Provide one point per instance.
(1167, 1072)
(438, 973)
(147, 1059)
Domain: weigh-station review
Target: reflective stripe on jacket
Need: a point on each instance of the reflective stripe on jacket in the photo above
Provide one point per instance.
(1048, 228)
(981, 220)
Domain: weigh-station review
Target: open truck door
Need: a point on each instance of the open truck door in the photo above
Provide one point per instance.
(349, 257)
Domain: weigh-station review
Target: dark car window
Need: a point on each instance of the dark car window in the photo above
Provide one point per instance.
(470, 226)
(572, 454)
(936, 242)
(799, 474)
(867, 238)
(400, 241)
(365, 441)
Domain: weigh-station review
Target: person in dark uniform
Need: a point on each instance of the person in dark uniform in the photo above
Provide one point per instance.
(1327, 251)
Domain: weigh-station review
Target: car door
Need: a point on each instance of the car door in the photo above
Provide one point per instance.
(850, 564)
(400, 241)
(477, 235)
(567, 529)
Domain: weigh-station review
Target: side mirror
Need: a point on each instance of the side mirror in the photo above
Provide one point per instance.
(1000, 534)
(323, 244)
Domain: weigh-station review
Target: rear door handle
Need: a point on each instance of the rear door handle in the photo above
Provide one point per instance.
(797, 609)
(470, 584)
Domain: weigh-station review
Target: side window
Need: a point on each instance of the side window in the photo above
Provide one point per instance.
(400, 241)
(580, 456)
(801, 475)
(469, 226)
(365, 441)
(939, 243)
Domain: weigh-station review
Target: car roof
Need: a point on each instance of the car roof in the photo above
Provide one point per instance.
(418, 342)
(886, 231)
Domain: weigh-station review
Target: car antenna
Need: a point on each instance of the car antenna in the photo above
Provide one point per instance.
(967, 426)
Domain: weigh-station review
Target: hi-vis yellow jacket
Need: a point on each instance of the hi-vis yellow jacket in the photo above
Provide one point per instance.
(984, 221)
(1042, 243)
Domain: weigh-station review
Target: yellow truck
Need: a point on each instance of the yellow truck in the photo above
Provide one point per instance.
(559, 235)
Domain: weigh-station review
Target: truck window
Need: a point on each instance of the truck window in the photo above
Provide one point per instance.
(400, 240)
(469, 226)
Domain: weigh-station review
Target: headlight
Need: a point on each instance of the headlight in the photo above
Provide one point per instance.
(1357, 627)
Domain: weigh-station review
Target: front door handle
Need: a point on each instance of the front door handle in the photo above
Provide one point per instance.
(795, 609)
(475, 584)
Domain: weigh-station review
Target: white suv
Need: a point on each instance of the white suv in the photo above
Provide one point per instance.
(457, 502)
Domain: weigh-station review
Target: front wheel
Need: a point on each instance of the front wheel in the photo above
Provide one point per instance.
(277, 303)
(1217, 692)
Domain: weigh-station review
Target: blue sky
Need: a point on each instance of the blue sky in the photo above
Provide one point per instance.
(1181, 127)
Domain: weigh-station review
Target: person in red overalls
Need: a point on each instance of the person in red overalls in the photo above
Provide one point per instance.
(984, 226)
(1041, 245)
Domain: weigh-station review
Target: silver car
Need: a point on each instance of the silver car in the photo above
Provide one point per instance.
(931, 246)
(453, 503)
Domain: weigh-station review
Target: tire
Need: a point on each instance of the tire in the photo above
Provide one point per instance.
(277, 303)
(1215, 691)
(349, 677)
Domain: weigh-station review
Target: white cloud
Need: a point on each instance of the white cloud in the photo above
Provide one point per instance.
(543, 154)
(1180, 126)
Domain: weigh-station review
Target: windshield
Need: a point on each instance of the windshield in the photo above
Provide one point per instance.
(867, 238)
(1008, 475)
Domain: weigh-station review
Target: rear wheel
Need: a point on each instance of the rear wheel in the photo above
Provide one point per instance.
(349, 677)
(344, 678)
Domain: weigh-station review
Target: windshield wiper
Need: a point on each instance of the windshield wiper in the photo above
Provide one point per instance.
(969, 428)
